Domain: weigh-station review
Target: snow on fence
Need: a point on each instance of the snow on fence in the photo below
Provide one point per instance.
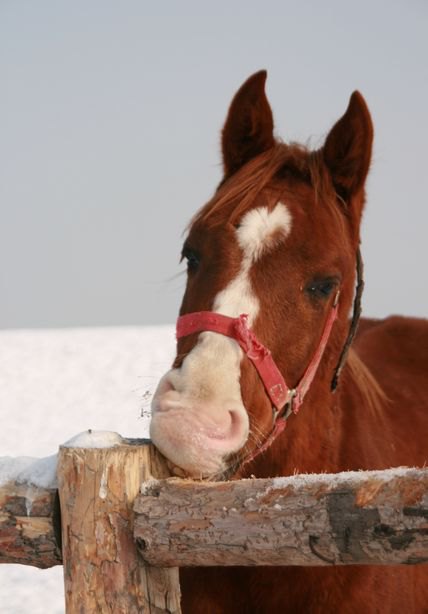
(121, 543)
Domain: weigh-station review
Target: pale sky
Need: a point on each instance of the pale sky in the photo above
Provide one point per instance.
(110, 115)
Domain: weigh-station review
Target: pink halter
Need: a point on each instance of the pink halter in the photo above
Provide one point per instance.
(280, 394)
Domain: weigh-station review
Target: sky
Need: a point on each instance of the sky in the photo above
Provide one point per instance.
(110, 115)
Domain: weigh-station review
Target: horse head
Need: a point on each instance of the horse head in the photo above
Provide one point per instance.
(272, 257)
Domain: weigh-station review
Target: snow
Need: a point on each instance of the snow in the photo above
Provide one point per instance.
(54, 384)
(94, 439)
(300, 480)
(39, 472)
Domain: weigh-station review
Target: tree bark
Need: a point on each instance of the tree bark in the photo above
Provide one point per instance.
(102, 569)
(30, 531)
(373, 518)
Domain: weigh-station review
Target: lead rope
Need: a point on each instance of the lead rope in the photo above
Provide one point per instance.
(354, 322)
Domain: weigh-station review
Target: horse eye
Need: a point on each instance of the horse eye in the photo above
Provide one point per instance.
(192, 258)
(322, 288)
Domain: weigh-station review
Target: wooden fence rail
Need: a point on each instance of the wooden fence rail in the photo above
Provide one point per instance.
(121, 550)
(30, 525)
(357, 518)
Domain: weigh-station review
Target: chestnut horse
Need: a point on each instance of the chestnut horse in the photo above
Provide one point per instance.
(279, 242)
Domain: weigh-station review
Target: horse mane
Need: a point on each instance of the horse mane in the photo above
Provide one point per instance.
(373, 396)
(236, 194)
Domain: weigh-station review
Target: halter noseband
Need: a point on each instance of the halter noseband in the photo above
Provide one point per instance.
(283, 398)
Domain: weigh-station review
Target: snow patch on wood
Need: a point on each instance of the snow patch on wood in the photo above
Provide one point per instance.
(94, 439)
(39, 472)
(299, 480)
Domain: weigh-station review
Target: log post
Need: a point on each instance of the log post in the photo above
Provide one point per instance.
(351, 518)
(103, 571)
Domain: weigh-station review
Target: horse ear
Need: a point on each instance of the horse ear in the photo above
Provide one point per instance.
(348, 148)
(248, 130)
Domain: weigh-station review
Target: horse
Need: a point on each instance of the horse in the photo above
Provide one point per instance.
(264, 340)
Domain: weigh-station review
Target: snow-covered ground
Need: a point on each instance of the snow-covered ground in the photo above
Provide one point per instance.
(56, 383)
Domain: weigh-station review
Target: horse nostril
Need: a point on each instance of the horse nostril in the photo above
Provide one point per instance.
(164, 391)
(238, 422)
(234, 417)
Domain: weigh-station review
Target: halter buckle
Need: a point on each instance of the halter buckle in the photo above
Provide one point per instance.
(287, 410)
(292, 394)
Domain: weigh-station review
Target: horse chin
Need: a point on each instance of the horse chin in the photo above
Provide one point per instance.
(189, 451)
(179, 472)
(188, 454)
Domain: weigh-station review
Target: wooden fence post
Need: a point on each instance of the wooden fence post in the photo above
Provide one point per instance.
(103, 571)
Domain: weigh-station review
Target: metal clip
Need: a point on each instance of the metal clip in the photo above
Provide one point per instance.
(287, 408)
(289, 404)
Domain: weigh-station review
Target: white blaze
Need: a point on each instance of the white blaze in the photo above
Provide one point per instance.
(262, 230)
(259, 231)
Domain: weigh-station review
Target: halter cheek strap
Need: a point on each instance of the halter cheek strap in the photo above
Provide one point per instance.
(284, 399)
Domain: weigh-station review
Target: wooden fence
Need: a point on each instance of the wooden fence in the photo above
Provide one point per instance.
(121, 544)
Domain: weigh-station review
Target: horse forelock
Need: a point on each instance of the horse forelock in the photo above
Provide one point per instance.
(238, 193)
